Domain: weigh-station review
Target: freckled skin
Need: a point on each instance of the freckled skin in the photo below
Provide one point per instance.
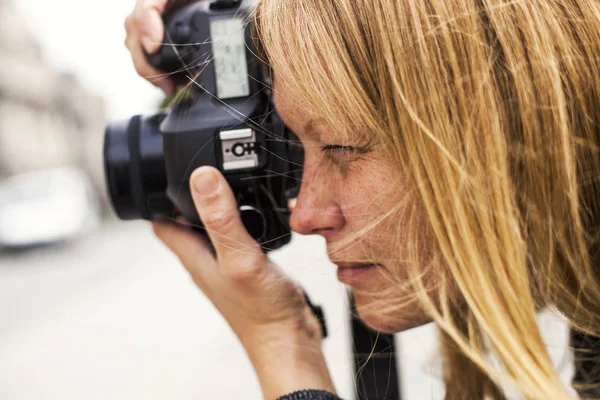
(341, 194)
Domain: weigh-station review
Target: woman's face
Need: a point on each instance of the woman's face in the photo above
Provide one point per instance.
(347, 184)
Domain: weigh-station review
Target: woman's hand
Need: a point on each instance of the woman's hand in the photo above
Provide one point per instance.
(263, 306)
(145, 31)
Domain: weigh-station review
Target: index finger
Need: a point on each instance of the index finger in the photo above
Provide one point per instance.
(147, 16)
(145, 70)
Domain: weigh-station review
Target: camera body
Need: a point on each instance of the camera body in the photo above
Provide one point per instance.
(225, 118)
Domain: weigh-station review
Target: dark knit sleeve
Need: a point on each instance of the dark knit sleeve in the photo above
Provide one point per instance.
(586, 356)
(310, 395)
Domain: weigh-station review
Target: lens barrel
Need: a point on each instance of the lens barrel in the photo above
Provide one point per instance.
(135, 168)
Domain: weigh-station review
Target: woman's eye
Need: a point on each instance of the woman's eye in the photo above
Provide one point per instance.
(334, 148)
(344, 150)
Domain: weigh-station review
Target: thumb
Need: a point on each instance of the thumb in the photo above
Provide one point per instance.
(218, 210)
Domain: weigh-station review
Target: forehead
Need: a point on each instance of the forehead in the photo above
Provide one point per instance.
(290, 108)
(301, 119)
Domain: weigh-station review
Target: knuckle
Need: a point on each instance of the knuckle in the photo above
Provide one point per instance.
(141, 68)
(139, 15)
(243, 270)
(129, 23)
(129, 42)
(221, 220)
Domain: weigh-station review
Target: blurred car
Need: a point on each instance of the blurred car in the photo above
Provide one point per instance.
(48, 206)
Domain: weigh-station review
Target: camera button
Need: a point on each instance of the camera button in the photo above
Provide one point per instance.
(242, 164)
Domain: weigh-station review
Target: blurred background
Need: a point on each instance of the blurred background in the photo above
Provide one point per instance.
(95, 308)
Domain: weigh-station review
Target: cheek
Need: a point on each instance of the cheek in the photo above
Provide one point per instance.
(365, 198)
(368, 200)
(390, 302)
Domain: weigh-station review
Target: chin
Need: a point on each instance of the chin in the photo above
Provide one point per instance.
(401, 319)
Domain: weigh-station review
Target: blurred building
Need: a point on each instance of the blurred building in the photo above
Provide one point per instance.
(47, 119)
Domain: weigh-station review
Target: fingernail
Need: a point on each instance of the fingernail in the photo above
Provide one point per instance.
(149, 44)
(206, 183)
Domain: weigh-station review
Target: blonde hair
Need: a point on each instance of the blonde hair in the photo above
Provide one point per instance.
(492, 108)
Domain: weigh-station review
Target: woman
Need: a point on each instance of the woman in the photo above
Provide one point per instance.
(452, 165)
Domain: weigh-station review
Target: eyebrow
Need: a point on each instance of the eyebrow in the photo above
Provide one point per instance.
(309, 128)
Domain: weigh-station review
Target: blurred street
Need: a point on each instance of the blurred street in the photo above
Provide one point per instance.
(116, 316)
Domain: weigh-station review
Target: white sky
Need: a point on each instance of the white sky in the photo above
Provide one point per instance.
(86, 38)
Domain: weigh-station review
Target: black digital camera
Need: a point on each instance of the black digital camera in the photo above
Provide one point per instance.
(226, 120)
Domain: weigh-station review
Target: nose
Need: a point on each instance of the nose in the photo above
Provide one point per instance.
(316, 211)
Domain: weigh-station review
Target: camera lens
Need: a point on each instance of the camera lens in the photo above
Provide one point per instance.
(135, 168)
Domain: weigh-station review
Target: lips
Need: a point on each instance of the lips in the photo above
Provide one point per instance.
(354, 274)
